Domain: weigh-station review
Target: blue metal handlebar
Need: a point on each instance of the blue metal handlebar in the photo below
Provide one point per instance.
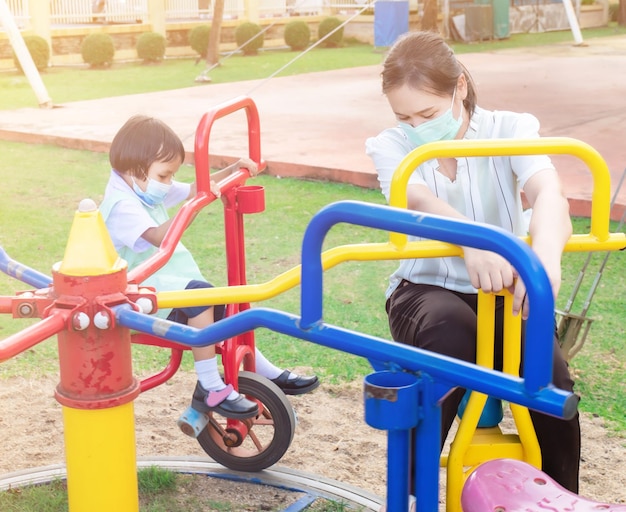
(538, 369)
(23, 273)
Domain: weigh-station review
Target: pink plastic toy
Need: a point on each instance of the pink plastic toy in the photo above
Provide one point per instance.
(506, 485)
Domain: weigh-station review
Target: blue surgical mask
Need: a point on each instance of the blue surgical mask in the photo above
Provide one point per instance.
(154, 194)
(444, 127)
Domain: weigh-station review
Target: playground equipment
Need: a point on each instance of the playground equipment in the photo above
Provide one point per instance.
(479, 437)
(94, 307)
(572, 327)
(508, 485)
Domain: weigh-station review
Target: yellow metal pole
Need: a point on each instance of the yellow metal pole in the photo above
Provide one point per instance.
(101, 459)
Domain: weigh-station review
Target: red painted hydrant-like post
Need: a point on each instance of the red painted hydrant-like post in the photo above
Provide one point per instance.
(96, 387)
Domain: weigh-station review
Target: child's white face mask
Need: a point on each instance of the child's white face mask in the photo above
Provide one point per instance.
(155, 192)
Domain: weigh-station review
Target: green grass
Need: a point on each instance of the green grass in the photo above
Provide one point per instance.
(160, 490)
(66, 84)
(600, 366)
(531, 40)
(36, 498)
(153, 479)
(79, 83)
(353, 291)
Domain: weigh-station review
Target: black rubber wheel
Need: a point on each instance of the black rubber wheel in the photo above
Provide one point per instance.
(269, 434)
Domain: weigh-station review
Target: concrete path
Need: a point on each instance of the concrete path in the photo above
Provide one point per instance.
(315, 124)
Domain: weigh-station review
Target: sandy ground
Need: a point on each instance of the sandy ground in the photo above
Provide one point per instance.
(331, 438)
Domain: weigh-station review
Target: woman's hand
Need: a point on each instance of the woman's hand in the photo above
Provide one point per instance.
(520, 300)
(487, 270)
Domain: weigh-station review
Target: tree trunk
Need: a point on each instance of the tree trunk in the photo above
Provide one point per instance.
(213, 50)
(429, 20)
(621, 13)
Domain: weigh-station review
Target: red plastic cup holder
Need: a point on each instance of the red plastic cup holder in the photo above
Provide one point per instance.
(251, 199)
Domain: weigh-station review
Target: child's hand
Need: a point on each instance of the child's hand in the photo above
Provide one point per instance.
(215, 189)
(249, 164)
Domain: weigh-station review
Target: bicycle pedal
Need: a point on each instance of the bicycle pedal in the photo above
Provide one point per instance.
(192, 422)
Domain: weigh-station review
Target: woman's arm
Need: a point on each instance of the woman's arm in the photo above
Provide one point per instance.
(487, 270)
(550, 228)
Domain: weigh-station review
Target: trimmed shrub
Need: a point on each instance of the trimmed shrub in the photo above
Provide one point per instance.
(199, 39)
(151, 47)
(39, 50)
(246, 32)
(98, 50)
(297, 35)
(326, 26)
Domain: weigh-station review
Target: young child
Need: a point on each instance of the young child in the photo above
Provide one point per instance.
(145, 155)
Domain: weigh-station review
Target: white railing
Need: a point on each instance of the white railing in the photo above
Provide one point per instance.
(348, 6)
(70, 11)
(67, 12)
(19, 9)
(273, 8)
(185, 10)
(98, 11)
(235, 9)
(305, 7)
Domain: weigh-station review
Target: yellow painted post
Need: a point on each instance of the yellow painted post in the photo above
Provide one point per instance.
(471, 445)
(156, 16)
(101, 459)
(39, 11)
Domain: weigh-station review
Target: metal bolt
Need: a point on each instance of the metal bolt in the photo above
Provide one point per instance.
(102, 320)
(80, 321)
(26, 310)
(145, 305)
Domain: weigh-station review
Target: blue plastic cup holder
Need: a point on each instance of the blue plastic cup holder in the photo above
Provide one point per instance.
(391, 400)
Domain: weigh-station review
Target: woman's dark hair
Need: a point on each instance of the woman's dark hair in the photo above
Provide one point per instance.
(142, 141)
(423, 60)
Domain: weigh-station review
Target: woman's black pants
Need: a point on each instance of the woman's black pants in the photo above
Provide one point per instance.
(443, 321)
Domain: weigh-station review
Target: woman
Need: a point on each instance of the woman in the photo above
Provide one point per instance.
(431, 303)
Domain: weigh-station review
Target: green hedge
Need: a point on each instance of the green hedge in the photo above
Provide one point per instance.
(297, 35)
(39, 50)
(98, 50)
(246, 40)
(326, 26)
(151, 47)
(199, 39)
